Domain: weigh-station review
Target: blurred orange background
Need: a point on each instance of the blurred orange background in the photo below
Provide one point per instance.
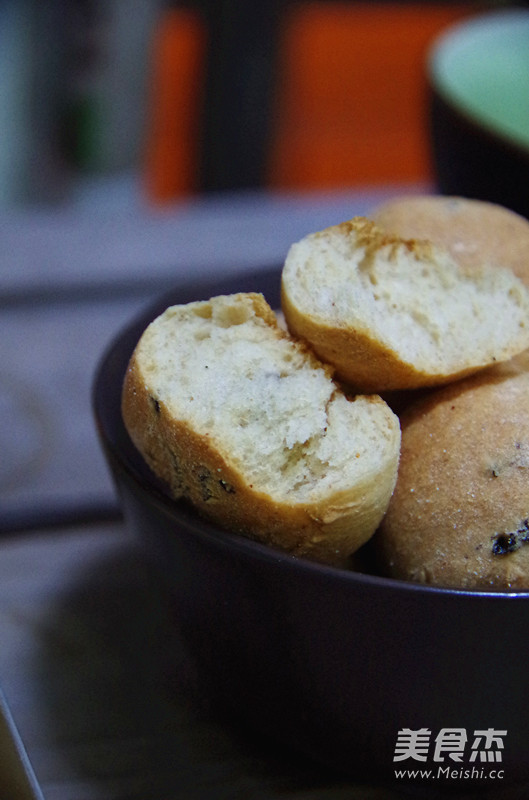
(349, 105)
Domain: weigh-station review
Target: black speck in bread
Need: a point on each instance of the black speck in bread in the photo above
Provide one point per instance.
(504, 543)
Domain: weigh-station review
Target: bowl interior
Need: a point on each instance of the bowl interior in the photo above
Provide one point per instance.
(482, 66)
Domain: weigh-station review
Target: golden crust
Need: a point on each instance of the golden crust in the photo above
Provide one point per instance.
(459, 516)
(373, 238)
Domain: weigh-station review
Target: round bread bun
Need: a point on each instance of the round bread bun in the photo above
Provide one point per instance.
(390, 313)
(474, 231)
(241, 420)
(459, 516)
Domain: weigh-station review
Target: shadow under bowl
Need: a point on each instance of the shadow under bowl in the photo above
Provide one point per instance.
(478, 86)
(333, 663)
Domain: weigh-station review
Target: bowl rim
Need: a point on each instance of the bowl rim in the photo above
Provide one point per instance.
(107, 383)
(454, 36)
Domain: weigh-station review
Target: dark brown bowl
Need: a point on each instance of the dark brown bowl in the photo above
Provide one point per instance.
(334, 663)
(478, 80)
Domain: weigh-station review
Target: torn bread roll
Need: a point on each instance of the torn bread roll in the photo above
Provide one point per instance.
(243, 421)
(391, 313)
(473, 231)
(459, 516)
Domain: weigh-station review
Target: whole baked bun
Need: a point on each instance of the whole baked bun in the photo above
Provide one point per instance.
(390, 313)
(243, 421)
(474, 231)
(459, 516)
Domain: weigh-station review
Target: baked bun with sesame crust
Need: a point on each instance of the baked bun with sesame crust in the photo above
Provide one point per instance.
(459, 516)
(391, 313)
(246, 423)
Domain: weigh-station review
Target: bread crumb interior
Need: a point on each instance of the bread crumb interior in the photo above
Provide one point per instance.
(235, 378)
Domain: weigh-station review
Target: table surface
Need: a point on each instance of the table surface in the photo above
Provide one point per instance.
(98, 682)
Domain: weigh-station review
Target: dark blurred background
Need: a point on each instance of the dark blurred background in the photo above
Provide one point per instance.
(172, 99)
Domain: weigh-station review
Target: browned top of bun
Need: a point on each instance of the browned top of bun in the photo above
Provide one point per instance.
(474, 231)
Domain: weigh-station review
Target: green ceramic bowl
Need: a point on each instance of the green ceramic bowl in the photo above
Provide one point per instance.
(478, 73)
